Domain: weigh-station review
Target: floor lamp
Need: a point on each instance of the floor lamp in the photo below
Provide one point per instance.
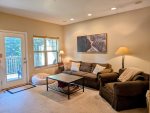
(122, 51)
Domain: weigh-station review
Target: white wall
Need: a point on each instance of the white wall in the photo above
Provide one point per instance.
(32, 27)
(131, 29)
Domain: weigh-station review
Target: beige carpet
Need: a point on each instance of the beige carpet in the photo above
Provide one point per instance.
(37, 100)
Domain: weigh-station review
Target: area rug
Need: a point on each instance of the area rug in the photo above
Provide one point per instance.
(19, 89)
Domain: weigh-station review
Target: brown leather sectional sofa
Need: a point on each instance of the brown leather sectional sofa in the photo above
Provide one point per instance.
(85, 70)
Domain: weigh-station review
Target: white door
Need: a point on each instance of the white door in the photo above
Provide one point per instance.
(13, 61)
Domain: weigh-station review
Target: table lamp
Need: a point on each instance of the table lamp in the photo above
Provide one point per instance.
(61, 52)
(122, 51)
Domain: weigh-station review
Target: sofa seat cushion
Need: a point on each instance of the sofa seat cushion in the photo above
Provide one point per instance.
(79, 73)
(90, 75)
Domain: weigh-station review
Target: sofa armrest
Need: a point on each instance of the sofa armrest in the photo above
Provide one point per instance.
(131, 88)
(106, 71)
(108, 77)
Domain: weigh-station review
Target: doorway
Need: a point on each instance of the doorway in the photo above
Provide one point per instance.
(14, 62)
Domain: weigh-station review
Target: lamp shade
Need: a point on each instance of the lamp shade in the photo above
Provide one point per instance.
(122, 51)
(61, 52)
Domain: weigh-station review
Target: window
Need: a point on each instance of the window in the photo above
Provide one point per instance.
(45, 51)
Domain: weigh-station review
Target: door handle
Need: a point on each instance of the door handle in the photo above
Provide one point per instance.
(25, 61)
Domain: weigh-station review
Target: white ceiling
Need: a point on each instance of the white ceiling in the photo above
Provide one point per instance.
(60, 11)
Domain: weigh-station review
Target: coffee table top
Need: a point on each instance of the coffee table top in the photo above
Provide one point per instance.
(63, 77)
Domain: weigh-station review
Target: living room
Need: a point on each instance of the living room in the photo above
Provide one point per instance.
(125, 23)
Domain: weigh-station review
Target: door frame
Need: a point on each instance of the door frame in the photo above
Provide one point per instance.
(4, 85)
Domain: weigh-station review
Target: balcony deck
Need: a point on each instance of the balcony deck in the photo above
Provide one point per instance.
(12, 77)
(13, 68)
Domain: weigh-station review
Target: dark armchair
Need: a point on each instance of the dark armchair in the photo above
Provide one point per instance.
(124, 95)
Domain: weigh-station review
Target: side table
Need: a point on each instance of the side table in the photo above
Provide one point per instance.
(60, 67)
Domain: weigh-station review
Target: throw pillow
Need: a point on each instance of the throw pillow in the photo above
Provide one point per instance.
(75, 66)
(129, 74)
(67, 65)
(98, 68)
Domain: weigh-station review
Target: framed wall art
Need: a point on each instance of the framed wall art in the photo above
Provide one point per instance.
(96, 43)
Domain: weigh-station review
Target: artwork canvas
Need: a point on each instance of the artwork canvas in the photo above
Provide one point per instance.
(92, 43)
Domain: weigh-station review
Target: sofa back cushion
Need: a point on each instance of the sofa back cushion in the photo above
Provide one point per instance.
(75, 61)
(142, 76)
(146, 76)
(86, 67)
(138, 77)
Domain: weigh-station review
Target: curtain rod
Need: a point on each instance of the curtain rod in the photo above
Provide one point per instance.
(39, 36)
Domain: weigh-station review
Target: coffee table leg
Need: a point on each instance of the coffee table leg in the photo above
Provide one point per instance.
(68, 91)
(83, 84)
(47, 83)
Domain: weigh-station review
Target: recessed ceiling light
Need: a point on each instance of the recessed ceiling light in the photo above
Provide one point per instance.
(113, 8)
(72, 19)
(89, 14)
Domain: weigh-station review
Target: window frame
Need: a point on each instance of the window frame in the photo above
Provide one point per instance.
(45, 51)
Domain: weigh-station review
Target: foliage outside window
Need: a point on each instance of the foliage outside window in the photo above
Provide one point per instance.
(45, 51)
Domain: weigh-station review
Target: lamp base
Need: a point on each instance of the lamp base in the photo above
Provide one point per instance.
(123, 57)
